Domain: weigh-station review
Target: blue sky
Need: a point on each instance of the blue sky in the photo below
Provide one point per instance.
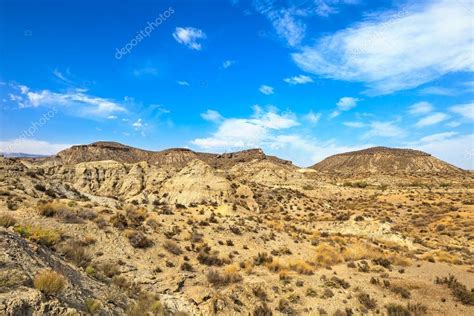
(300, 79)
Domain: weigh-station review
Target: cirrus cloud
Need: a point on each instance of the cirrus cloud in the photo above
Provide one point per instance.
(391, 51)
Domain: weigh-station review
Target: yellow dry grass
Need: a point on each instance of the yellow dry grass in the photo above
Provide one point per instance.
(327, 255)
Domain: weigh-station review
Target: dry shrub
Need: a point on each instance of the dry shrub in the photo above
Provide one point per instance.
(366, 301)
(276, 266)
(284, 275)
(60, 210)
(327, 255)
(92, 306)
(458, 289)
(139, 240)
(135, 216)
(441, 256)
(50, 209)
(76, 253)
(49, 282)
(119, 221)
(45, 237)
(211, 259)
(6, 220)
(360, 251)
(399, 260)
(301, 267)
(397, 310)
(417, 309)
(172, 247)
(230, 275)
(146, 305)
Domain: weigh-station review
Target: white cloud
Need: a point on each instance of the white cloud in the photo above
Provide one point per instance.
(212, 116)
(284, 20)
(420, 108)
(432, 119)
(266, 89)
(344, 104)
(384, 129)
(396, 51)
(312, 117)
(453, 124)
(145, 71)
(274, 132)
(456, 150)
(58, 74)
(288, 18)
(301, 79)
(31, 146)
(438, 91)
(247, 132)
(438, 137)
(465, 110)
(138, 123)
(347, 103)
(189, 36)
(112, 117)
(354, 124)
(183, 83)
(75, 100)
(227, 63)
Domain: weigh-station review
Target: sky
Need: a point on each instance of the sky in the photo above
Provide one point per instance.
(301, 79)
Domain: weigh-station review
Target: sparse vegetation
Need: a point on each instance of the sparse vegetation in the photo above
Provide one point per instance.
(49, 282)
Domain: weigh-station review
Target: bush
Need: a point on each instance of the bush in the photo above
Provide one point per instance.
(230, 275)
(136, 216)
(49, 282)
(262, 258)
(301, 267)
(76, 253)
(146, 305)
(417, 309)
(45, 237)
(172, 247)
(139, 240)
(367, 301)
(7, 220)
(210, 259)
(458, 289)
(397, 310)
(404, 293)
(327, 255)
(382, 262)
(92, 306)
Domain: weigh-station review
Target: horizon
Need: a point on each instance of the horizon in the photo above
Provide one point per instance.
(302, 80)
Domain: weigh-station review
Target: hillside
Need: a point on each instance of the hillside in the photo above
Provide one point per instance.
(175, 157)
(385, 161)
(107, 229)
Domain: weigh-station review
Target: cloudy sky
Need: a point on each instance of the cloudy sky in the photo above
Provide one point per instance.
(300, 79)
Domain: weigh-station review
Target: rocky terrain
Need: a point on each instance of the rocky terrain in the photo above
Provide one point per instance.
(108, 229)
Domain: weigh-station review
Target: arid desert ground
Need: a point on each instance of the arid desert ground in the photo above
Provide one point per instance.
(107, 229)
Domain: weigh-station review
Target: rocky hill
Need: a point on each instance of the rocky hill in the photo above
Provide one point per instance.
(176, 157)
(385, 161)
